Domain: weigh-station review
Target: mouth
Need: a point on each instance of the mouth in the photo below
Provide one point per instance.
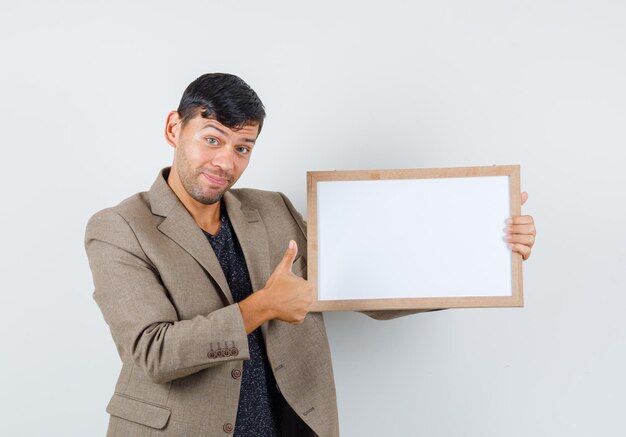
(215, 180)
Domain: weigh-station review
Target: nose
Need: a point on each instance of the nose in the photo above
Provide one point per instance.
(224, 158)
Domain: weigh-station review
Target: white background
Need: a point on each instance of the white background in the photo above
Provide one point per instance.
(84, 90)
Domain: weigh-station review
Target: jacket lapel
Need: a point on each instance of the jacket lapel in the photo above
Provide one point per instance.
(181, 228)
(252, 237)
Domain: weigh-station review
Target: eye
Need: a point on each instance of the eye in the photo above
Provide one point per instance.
(212, 141)
(243, 150)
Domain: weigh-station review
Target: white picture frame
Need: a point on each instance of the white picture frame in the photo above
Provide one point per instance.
(413, 239)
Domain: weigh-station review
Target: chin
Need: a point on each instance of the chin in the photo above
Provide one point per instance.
(210, 199)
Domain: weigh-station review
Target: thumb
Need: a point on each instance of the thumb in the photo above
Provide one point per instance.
(524, 197)
(289, 257)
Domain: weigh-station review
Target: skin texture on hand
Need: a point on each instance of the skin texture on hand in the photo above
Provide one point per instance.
(521, 232)
(285, 297)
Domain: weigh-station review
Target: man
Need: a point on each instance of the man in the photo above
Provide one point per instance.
(204, 288)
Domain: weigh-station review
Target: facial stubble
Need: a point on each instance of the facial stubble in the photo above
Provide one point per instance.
(191, 182)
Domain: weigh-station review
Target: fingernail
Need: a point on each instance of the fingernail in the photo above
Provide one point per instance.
(292, 244)
(508, 221)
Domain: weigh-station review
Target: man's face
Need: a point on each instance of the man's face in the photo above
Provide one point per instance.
(211, 157)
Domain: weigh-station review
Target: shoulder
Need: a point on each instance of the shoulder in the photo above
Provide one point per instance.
(124, 214)
(263, 201)
(258, 199)
(272, 205)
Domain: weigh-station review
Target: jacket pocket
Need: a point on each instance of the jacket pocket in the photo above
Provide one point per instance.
(138, 411)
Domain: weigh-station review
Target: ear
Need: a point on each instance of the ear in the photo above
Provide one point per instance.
(172, 128)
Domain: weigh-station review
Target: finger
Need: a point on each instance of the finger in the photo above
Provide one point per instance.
(520, 220)
(521, 249)
(526, 240)
(289, 257)
(524, 197)
(521, 229)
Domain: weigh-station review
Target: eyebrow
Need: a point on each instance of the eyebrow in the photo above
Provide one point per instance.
(210, 124)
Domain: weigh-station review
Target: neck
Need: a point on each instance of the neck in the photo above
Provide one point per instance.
(207, 217)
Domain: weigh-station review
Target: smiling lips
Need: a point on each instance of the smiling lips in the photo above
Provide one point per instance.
(215, 180)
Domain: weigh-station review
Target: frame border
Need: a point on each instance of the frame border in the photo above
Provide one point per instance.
(421, 303)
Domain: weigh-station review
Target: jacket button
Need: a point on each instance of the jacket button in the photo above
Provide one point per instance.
(235, 373)
(211, 354)
(219, 353)
(234, 351)
(228, 427)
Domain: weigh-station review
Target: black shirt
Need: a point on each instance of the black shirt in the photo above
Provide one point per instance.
(257, 414)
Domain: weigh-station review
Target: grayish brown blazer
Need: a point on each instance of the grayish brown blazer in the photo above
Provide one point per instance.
(180, 336)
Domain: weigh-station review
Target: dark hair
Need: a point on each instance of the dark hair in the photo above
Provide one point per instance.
(224, 97)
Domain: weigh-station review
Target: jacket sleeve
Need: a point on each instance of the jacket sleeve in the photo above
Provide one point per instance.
(378, 315)
(142, 319)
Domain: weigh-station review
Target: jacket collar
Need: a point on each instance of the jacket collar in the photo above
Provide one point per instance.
(179, 226)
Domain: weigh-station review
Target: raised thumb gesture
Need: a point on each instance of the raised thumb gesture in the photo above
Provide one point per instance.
(289, 257)
(289, 296)
(285, 297)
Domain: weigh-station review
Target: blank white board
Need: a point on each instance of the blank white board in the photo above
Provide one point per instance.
(403, 241)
